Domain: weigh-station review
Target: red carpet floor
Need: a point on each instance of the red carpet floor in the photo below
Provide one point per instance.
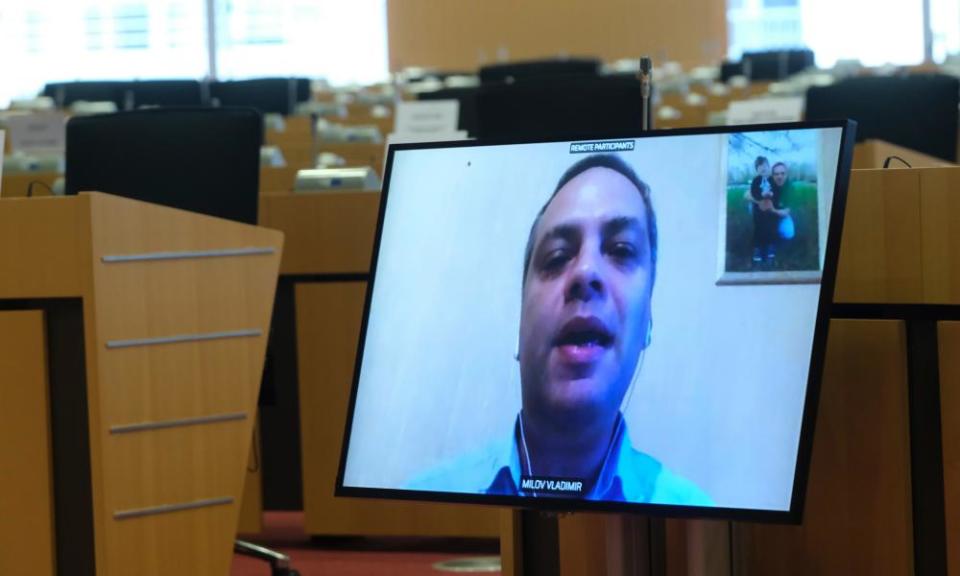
(283, 531)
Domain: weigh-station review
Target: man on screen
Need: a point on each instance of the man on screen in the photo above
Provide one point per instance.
(589, 270)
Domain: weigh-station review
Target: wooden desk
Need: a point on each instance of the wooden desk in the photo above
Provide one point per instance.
(148, 369)
(16, 184)
(361, 114)
(297, 129)
(26, 465)
(329, 240)
(873, 153)
(299, 154)
(357, 153)
(278, 180)
(691, 117)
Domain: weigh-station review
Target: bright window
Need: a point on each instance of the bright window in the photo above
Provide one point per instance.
(62, 40)
(945, 22)
(876, 32)
(53, 40)
(344, 42)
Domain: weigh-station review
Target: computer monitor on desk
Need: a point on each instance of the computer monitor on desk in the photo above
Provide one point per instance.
(619, 324)
(918, 112)
(205, 160)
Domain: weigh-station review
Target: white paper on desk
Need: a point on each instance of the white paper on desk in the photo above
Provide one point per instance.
(765, 111)
(427, 117)
(40, 133)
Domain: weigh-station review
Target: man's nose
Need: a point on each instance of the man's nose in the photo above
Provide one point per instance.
(585, 281)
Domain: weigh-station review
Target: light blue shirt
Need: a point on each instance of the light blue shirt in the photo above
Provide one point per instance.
(627, 475)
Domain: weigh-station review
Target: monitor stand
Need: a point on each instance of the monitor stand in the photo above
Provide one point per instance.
(534, 543)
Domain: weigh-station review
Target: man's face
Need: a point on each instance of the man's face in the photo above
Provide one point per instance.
(780, 175)
(586, 300)
(764, 169)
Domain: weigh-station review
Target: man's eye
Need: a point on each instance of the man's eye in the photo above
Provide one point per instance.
(555, 260)
(623, 251)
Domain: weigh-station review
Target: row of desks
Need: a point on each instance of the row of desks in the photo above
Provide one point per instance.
(326, 258)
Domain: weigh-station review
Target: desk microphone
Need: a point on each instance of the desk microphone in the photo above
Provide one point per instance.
(646, 87)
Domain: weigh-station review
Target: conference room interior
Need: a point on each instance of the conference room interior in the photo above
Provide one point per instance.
(257, 117)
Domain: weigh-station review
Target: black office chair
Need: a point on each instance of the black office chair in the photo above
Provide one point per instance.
(919, 112)
(560, 106)
(467, 97)
(533, 69)
(206, 160)
(66, 93)
(199, 159)
(167, 93)
(769, 65)
(276, 95)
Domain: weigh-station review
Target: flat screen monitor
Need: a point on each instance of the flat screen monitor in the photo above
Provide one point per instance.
(624, 324)
(919, 112)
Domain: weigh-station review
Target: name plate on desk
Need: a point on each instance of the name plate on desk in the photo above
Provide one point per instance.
(427, 118)
(765, 111)
(45, 132)
(336, 179)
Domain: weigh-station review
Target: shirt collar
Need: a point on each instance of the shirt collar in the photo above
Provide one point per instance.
(625, 475)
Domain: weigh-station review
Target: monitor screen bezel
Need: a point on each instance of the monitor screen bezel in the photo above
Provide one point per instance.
(805, 447)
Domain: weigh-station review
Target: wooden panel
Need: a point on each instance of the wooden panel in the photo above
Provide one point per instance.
(193, 542)
(43, 247)
(326, 233)
(251, 508)
(511, 543)
(584, 540)
(465, 34)
(950, 423)
(604, 545)
(880, 254)
(296, 129)
(858, 517)
(299, 154)
(362, 114)
(873, 153)
(185, 380)
(941, 235)
(278, 179)
(698, 547)
(328, 326)
(16, 185)
(172, 381)
(175, 465)
(26, 510)
(614, 545)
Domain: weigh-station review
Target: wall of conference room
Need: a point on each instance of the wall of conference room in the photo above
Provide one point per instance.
(464, 34)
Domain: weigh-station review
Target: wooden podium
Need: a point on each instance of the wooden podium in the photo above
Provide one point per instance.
(884, 487)
(132, 339)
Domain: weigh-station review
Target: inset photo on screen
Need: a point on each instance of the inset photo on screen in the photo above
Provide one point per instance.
(774, 217)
